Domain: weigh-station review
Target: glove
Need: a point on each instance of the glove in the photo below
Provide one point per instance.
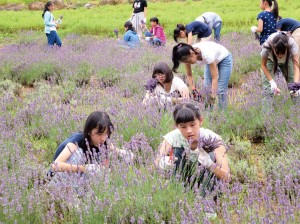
(295, 94)
(197, 95)
(204, 159)
(145, 20)
(147, 38)
(166, 163)
(93, 169)
(253, 29)
(274, 87)
(126, 155)
(194, 154)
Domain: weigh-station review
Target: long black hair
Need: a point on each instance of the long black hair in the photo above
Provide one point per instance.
(180, 52)
(46, 7)
(280, 45)
(275, 9)
(177, 30)
(186, 112)
(129, 26)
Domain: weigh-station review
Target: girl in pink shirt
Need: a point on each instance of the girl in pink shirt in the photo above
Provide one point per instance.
(156, 36)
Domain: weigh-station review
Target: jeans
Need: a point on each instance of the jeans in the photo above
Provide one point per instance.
(224, 72)
(53, 38)
(153, 41)
(187, 169)
(217, 31)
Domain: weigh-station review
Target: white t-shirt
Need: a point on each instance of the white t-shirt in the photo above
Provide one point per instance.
(265, 52)
(210, 18)
(176, 139)
(177, 84)
(211, 52)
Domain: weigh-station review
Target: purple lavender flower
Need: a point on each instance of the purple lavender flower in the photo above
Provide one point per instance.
(294, 86)
(151, 85)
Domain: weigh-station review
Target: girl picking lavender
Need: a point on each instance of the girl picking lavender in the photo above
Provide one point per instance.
(51, 25)
(165, 86)
(190, 146)
(218, 69)
(87, 151)
(281, 51)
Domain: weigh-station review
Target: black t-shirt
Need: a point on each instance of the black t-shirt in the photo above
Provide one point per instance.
(139, 5)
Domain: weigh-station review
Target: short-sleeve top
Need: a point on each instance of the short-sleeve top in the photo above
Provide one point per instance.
(267, 52)
(269, 25)
(177, 84)
(176, 139)
(139, 6)
(211, 19)
(211, 52)
(198, 28)
(288, 24)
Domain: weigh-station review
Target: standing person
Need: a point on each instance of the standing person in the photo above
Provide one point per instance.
(281, 51)
(266, 20)
(130, 39)
(290, 25)
(166, 87)
(214, 21)
(51, 25)
(139, 15)
(200, 29)
(156, 36)
(190, 146)
(217, 72)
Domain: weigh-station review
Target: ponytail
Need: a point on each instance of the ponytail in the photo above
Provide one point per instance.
(177, 30)
(180, 52)
(275, 9)
(46, 8)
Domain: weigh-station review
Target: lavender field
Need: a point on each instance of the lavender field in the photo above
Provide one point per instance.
(47, 93)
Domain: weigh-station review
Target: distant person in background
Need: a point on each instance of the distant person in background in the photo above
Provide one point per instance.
(200, 29)
(131, 39)
(139, 15)
(214, 21)
(290, 25)
(266, 20)
(156, 36)
(51, 25)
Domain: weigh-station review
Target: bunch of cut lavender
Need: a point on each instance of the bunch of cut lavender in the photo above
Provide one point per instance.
(294, 86)
(151, 85)
(210, 144)
(116, 31)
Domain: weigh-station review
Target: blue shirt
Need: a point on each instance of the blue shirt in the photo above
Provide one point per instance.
(198, 28)
(132, 39)
(269, 25)
(287, 24)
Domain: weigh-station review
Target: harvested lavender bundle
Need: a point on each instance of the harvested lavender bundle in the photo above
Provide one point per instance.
(116, 31)
(294, 86)
(209, 144)
(151, 85)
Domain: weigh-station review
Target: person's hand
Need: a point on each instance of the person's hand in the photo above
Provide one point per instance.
(147, 38)
(295, 94)
(145, 20)
(274, 87)
(253, 29)
(167, 163)
(93, 169)
(126, 155)
(204, 159)
(197, 95)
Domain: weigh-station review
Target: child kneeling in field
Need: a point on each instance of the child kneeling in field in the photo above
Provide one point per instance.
(130, 39)
(190, 146)
(86, 152)
(165, 87)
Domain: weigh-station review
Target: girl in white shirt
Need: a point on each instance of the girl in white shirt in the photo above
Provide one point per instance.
(218, 69)
(165, 86)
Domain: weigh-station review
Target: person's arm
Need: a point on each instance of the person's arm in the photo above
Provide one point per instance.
(189, 76)
(60, 165)
(268, 75)
(221, 169)
(260, 26)
(145, 14)
(214, 74)
(164, 150)
(126, 37)
(296, 68)
(190, 38)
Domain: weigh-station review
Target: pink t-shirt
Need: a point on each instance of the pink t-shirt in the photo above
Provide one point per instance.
(158, 31)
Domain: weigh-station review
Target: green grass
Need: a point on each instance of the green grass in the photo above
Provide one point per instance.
(236, 15)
